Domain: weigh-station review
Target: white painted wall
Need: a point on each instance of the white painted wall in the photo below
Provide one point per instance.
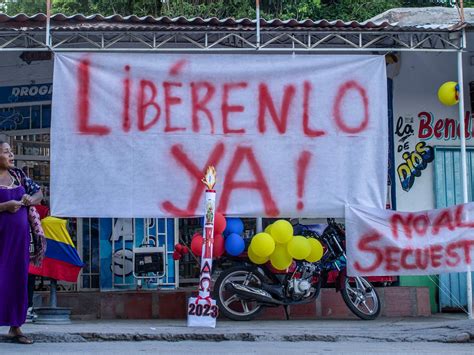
(14, 71)
(415, 91)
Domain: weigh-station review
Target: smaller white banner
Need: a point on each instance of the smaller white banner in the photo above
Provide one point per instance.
(202, 312)
(384, 242)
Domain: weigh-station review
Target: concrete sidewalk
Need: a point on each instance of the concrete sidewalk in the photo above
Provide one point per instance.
(439, 328)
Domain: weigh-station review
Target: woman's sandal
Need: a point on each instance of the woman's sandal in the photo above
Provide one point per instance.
(21, 339)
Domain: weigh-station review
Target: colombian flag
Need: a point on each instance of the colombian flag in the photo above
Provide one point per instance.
(61, 261)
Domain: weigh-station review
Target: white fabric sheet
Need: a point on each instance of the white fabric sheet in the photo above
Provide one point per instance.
(383, 242)
(132, 134)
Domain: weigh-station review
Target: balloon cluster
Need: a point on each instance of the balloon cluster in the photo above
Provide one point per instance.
(234, 243)
(231, 228)
(179, 251)
(278, 245)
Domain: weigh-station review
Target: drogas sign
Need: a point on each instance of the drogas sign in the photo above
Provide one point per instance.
(26, 93)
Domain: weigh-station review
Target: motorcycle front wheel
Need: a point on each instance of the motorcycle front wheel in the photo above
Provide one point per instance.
(361, 298)
(232, 305)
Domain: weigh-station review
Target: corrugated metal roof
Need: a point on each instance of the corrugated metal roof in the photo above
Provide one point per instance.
(427, 18)
(134, 23)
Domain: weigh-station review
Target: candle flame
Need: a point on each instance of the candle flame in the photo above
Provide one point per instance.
(210, 178)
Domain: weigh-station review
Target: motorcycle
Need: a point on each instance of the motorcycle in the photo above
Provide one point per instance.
(244, 290)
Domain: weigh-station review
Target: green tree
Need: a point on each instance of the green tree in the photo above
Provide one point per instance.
(126, 7)
(346, 10)
(86, 7)
(28, 7)
(70, 7)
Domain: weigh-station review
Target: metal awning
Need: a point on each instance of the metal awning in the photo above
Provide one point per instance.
(118, 33)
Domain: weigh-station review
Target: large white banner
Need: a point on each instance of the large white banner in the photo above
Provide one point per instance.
(383, 242)
(133, 133)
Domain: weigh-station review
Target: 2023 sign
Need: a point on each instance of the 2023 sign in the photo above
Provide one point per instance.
(203, 310)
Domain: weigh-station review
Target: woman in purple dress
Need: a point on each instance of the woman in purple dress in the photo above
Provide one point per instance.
(16, 193)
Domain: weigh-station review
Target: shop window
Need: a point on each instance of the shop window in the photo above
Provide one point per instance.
(25, 117)
(35, 116)
(45, 116)
(32, 156)
(118, 238)
(88, 248)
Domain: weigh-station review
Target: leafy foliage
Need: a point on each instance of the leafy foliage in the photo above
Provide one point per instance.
(284, 9)
(22, 6)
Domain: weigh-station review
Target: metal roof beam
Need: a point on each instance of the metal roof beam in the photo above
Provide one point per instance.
(309, 41)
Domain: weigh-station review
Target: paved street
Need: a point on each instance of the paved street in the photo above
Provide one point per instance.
(239, 347)
(449, 334)
(442, 329)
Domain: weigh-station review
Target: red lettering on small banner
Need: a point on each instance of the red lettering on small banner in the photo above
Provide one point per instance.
(382, 242)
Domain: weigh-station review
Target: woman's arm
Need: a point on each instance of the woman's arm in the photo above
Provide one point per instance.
(11, 206)
(33, 195)
(30, 200)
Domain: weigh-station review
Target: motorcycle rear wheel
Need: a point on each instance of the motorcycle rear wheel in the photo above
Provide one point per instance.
(361, 298)
(231, 305)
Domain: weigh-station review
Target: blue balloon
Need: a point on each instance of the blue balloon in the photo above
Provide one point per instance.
(234, 244)
(233, 225)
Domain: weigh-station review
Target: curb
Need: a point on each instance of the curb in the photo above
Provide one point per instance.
(51, 337)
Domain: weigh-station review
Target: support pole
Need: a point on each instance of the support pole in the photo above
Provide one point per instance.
(258, 23)
(48, 20)
(463, 162)
(53, 314)
(53, 301)
(259, 225)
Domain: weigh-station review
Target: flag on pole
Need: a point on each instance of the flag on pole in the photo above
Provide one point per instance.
(61, 261)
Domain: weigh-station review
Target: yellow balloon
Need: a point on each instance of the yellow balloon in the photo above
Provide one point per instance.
(255, 258)
(268, 229)
(280, 258)
(316, 250)
(262, 244)
(299, 247)
(448, 94)
(282, 231)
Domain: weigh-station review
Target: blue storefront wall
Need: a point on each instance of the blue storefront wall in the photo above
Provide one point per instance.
(118, 237)
(25, 107)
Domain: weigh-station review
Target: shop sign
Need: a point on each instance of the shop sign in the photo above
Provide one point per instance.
(25, 93)
(290, 135)
(383, 242)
